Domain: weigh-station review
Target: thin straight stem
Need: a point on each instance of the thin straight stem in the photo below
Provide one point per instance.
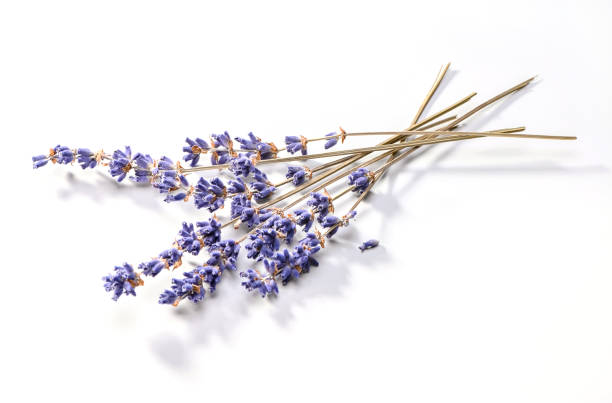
(431, 93)
(439, 122)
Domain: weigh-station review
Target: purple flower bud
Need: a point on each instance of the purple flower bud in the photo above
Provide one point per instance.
(121, 163)
(295, 144)
(321, 204)
(332, 141)
(122, 281)
(188, 240)
(239, 203)
(39, 161)
(194, 149)
(86, 158)
(372, 243)
(360, 179)
(189, 287)
(298, 174)
(210, 195)
(241, 166)
(210, 231)
(152, 268)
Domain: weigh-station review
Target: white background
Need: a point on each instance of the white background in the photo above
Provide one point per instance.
(493, 280)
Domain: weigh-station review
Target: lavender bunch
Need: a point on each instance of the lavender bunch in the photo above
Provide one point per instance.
(282, 236)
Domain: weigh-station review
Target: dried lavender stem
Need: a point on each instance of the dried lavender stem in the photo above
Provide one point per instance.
(439, 122)
(431, 93)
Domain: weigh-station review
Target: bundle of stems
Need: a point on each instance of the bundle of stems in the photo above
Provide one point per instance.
(272, 219)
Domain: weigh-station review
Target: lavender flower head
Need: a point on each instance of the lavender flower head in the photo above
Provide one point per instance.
(122, 281)
(372, 243)
(194, 149)
(295, 144)
(298, 175)
(210, 195)
(360, 179)
(121, 163)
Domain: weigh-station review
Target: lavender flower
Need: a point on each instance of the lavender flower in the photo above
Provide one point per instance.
(194, 149)
(303, 252)
(143, 166)
(334, 223)
(298, 174)
(121, 163)
(240, 202)
(254, 281)
(152, 268)
(360, 179)
(122, 281)
(210, 275)
(86, 158)
(334, 138)
(221, 141)
(295, 144)
(62, 155)
(264, 242)
(282, 263)
(265, 151)
(170, 258)
(39, 161)
(209, 231)
(303, 218)
(236, 186)
(188, 240)
(321, 204)
(210, 195)
(189, 287)
(241, 166)
(332, 141)
(168, 297)
(261, 187)
(372, 243)
(223, 254)
(166, 176)
(284, 227)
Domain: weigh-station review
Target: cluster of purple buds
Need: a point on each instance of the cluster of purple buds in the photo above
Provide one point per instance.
(168, 259)
(64, 155)
(241, 165)
(298, 175)
(255, 281)
(360, 179)
(303, 218)
(222, 256)
(333, 138)
(295, 144)
(334, 223)
(189, 287)
(121, 163)
(285, 265)
(321, 204)
(251, 216)
(372, 243)
(194, 149)
(223, 149)
(253, 144)
(122, 281)
(210, 195)
(261, 188)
